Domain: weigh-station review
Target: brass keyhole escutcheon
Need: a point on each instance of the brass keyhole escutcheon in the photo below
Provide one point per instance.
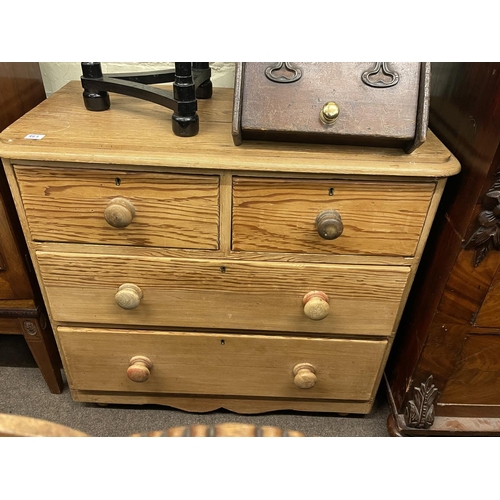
(329, 113)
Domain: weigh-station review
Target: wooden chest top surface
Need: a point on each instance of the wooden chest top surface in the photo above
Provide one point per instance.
(135, 132)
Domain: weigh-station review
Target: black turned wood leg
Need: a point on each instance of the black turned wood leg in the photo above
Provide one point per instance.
(205, 89)
(94, 101)
(185, 122)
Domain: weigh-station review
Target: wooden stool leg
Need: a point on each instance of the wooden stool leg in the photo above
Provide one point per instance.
(205, 89)
(94, 101)
(185, 122)
(40, 339)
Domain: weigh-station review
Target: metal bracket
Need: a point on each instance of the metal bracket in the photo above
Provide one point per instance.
(380, 67)
(297, 73)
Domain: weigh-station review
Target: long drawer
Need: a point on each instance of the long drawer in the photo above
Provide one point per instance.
(218, 364)
(120, 207)
(284, 215)
(193, 293)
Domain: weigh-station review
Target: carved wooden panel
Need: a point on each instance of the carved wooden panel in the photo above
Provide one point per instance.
(419, 412)
(486, 236)
(450, 323)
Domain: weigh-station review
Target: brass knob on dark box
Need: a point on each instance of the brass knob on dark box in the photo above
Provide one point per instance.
(329, 113)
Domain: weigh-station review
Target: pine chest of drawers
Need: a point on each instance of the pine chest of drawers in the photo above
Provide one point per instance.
(196, 274)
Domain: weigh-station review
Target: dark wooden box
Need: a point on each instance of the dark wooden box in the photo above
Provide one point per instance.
(363, 103)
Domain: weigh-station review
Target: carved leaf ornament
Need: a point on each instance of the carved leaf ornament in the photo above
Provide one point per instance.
(419, 412)
(487, 236)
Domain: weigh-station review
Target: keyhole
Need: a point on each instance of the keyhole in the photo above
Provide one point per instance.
(222, 342)
(222, 269)
(118, 181)
(331, 191)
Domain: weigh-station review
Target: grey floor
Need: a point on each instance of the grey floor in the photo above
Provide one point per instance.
(24, 392)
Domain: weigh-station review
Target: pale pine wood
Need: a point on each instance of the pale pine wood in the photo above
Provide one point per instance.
(219, 254)
(438, 193)
(228, 429)
(304, 375)
(136, 132)
(128, 296)
(248, 406)
(364, 300)
(171, 210)
(316, 305)
(226, 203)
(277, 215)
(120, 212)
(219, 364)
(21, 426)
(139, 368)
(194, 262)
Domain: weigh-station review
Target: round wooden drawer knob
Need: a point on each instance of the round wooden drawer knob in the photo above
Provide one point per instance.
(119, 212)
(316, 305)
(128, 296)
(304, 375)
(329, 224)
(139, 369)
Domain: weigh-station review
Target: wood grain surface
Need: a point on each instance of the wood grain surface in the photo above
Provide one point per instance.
(227, 429)
(22, 426)
(364, 300)
(219, 364)
(215, 279)
(489, 313)
(136, 132)
(180, 211)
(278, 215)
(21, 90)
(14, 277)
(476, 376)
(364, 111)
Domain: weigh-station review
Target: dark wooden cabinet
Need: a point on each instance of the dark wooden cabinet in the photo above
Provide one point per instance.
(443, 375)
(22, 309)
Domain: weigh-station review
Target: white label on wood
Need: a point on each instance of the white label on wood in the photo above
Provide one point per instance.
(35, 137)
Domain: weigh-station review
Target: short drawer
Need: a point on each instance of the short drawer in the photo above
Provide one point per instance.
(362, 300)
(120, 208)
(364, 218)
(219, 364)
